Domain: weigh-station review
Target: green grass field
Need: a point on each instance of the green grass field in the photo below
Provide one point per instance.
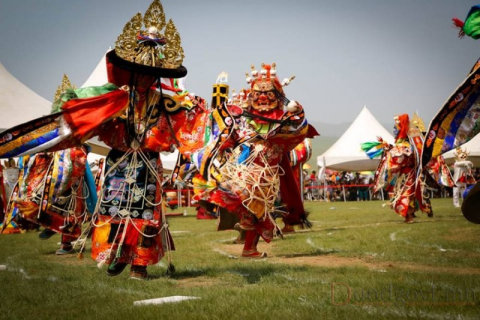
(359, 261)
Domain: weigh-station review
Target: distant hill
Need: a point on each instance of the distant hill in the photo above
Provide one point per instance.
(331, 130)
(337, 129)
(319, 146)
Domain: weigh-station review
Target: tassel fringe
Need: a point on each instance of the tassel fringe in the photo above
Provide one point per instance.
(457, 23)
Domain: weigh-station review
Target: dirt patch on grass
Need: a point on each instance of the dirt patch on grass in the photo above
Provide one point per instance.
(329, 261)
(424, 268)
(236, 249)
(462, 234)
(333, 261)
(69, 259)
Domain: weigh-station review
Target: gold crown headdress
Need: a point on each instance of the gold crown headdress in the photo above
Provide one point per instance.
(240, 98)
(59, 100)
(268, 72)
(157, 46)
(62, 88)
(267, 80)
(417, 122)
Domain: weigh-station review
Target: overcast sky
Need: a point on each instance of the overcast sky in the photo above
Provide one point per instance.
(394, 56)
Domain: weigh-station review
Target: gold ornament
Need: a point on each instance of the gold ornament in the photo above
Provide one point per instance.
(418, 122)
(150, 46)
(62, 88)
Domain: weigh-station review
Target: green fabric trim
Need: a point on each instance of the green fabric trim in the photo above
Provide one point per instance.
(82, 93)
(261, 128)
(472, 25)
(208, 130)
(369, 145)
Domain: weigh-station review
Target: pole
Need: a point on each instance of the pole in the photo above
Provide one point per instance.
(179, 195)
(324, 174)
(302, 187)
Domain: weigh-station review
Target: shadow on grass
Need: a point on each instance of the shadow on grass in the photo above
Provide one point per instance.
(182, 274)
(251, 274)
(48, 253)
(311, 254)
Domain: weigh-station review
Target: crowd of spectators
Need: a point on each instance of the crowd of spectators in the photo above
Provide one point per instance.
(338, 186)
(348, 186)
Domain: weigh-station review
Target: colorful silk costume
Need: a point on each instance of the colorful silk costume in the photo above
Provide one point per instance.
(298, 157)
(142, 111)
(400, 169)
(245, 166)
(51, 191)
(130, 226)
(133, 236)
(458, 121)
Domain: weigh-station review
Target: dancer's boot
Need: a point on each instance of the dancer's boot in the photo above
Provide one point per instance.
(250, 247)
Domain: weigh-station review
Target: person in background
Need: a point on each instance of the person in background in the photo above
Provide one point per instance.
(363, 189)
(333, 181)
(398, 170)
(476, 174)
(462, 175)
(334, 178)
(353, 191)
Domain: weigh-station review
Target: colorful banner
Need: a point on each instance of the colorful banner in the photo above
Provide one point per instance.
(458, 120)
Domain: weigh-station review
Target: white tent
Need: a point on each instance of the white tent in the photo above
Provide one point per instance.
(99, 74)
(98, 78)
(19, 104)
(472, 146)
(169, 160)
(346, 154)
